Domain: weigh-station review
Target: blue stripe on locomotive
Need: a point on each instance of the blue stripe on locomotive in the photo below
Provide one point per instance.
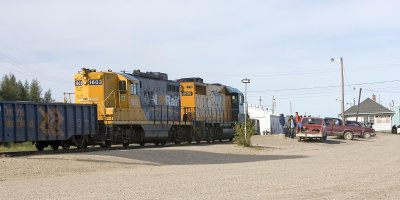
(160, 99)
(28, 121)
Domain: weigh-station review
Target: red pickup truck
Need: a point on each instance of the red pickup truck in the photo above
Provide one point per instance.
(334, 127)
(366, 131)
(312, 127)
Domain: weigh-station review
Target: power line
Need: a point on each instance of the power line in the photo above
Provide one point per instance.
(323, 87)
(17, 65)
(312, 71)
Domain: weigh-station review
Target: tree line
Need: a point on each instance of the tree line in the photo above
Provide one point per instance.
(12, 89)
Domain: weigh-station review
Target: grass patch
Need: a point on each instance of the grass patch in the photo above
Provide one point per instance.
(26, 146)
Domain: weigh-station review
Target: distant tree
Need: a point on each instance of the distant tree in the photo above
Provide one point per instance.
(23, 92)
(13, 90)
(9, 88)
(47, 97)
(35, 91)
(28, 89)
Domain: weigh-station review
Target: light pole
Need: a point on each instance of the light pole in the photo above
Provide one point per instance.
(342, 73)
(245, 81)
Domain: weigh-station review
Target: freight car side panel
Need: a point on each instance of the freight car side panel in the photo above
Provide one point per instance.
(21, 121)
(2, 126)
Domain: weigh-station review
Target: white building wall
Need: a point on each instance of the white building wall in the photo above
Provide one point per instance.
(379, 124)
(263, 115)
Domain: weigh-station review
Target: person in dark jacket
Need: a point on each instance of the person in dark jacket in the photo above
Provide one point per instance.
(282, 122)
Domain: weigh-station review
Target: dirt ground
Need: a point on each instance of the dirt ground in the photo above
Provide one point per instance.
(276, 168)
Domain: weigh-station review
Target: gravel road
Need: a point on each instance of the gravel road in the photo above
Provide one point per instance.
(276, 168)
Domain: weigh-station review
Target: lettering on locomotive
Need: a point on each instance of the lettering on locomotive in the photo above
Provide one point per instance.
(78, 83)
(95, 82)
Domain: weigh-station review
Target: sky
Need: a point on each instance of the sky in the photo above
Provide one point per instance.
(283, 47)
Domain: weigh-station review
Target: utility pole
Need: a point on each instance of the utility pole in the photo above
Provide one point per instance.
(260, 100)
(291, 113)
(342, 70)
(358, 106)
(342, 74)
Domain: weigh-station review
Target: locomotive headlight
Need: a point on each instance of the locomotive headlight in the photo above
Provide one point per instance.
(85, 82)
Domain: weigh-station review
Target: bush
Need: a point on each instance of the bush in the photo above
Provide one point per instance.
(240, 136)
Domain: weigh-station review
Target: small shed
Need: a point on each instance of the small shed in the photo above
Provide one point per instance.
(371, 113)
(268, 121)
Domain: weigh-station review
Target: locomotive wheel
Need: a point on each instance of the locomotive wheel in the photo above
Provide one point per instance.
(54, 146)
(156, 143)
(65, 145)
(125, 144)
(39, 146)
(80, 143)
(163, 142)
(141, 144)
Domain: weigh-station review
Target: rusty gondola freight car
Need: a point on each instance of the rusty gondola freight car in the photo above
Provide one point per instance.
(44, 124)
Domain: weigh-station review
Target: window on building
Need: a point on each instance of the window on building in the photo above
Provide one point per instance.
(383, 119)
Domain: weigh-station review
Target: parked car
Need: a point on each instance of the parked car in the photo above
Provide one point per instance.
(335, 127)
(314, 128)
(367, 132)
(396, 129)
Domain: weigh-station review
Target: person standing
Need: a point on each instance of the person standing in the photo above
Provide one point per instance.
(299, 125)
(282, 122)
(298, 120)
(292, 126)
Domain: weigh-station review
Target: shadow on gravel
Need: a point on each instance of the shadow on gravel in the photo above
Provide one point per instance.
(187, 157)
(329, 141)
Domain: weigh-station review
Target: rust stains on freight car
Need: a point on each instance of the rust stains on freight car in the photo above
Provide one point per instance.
(51, 122)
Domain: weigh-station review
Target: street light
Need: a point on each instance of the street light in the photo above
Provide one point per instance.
(245, 81)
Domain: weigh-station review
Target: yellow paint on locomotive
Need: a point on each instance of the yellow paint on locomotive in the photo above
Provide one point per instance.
(205, 102)
(115, 95)
(188, 101)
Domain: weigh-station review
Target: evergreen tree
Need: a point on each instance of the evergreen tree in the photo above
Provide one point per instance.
(13, 90)
(47, 97)
(23, 93)
(9, 88)
(35, 91)
(27, 88)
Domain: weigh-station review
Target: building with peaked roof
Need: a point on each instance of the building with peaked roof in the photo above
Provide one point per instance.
(371, 113)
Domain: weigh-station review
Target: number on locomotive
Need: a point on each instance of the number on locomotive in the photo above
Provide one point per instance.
(95, 82)
(78, 83)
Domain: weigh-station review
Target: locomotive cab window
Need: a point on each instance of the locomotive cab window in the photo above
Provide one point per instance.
(134, 89)
(122, 87)
(234, 100)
